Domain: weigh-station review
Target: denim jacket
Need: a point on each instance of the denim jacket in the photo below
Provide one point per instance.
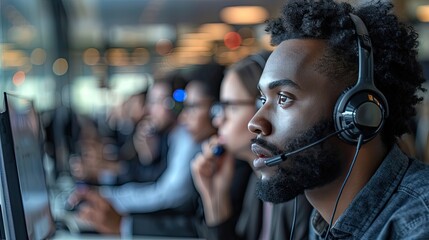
(394, 204)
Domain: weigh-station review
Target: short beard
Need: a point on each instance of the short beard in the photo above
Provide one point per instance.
(308, 169)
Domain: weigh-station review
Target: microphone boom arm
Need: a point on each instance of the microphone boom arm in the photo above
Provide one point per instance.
(282, 157)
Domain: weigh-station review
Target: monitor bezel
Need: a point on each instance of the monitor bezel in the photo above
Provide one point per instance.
(14, 223)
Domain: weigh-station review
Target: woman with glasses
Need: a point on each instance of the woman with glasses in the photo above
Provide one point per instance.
(202, 91)
(213, 171)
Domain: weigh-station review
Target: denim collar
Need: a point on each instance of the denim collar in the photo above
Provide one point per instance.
(369, 202)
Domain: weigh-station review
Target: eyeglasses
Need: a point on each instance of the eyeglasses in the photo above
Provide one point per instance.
(195, 106)
(167, 102)
(218, 108)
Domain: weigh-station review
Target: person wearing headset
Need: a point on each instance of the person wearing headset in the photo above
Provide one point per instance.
(214, 173)
(337, 91)
(163, 207)
(202, 91)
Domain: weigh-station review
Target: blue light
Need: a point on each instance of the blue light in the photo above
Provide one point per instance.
(179, 95)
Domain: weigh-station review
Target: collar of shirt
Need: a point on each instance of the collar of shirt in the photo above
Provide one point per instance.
(370, 201)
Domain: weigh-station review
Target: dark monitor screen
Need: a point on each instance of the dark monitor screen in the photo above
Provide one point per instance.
(25, 200)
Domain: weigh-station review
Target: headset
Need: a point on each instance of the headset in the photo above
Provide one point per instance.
(359, 113)
(361, 109)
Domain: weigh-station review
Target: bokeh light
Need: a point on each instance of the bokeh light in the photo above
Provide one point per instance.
(60, 66)
(18, 78)
(232, 40)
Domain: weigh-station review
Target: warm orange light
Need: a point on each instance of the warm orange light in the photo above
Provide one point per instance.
(18, 78)
(232, 40)
(91, 56)
(38, 56)
(193, 42)
(215, 31)
(60, 66)
(117, 56)
(192, 49)
(140, 56)
(241, 15)
(422, 13)
(13, 58)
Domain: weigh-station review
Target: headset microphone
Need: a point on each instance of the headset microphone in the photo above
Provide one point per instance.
(218, 150)
(282, 157)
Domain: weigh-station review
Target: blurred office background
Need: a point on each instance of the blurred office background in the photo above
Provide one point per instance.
(90, 55)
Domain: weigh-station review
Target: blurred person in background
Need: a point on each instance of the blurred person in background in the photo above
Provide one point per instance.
(139, 143)
(116, 210)
(128, 145)
(124, 117)
(61, 127)
(115, 159)
(91, 163)
(202, 92)
(123, 120)
(213, 175)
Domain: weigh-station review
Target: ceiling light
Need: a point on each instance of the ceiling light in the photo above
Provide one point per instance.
(422, 13)
(216, 31)
(232, 40)
(91, 56)
(241, 15)
(60, 66)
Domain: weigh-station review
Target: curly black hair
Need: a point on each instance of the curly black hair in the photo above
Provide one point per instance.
(397, 72)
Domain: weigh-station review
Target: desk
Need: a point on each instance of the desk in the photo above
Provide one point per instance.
(64, 235)
(75, 225)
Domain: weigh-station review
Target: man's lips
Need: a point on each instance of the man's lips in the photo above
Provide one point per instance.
(260, 151)
(262, 154)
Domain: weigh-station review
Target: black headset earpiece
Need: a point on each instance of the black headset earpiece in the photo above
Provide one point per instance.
(361, 109)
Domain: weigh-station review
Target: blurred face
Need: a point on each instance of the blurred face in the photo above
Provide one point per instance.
(298, 104)
(196, 113)
(135, 108)
(159, 105)
(238, 109)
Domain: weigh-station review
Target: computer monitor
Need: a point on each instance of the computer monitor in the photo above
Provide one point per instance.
(25, 204)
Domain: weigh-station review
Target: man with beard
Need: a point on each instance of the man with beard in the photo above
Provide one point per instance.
(315, 166)
(336, 96)
(217, 177)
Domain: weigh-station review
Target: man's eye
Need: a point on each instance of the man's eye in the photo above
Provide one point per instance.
(283, 100)
(262, 100)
